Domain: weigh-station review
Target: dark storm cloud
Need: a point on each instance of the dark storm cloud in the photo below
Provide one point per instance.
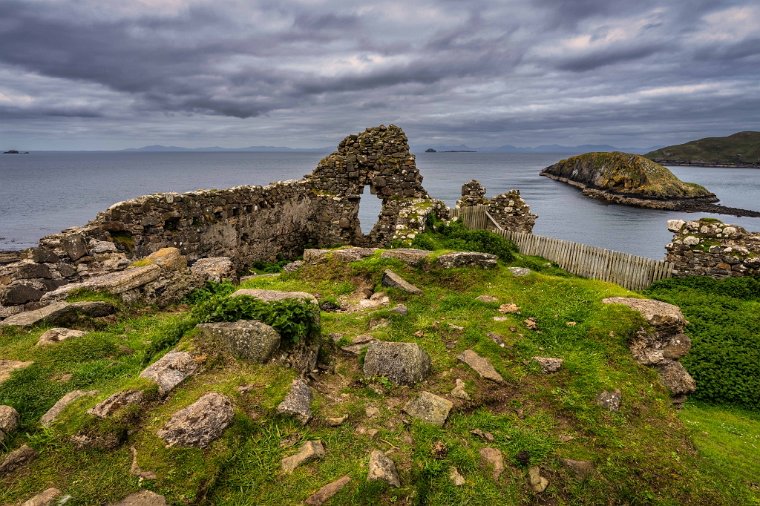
(305, 73)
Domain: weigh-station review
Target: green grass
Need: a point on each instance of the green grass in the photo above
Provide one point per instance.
(642, 454)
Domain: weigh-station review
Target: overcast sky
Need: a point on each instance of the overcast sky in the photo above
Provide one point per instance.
(110, 74)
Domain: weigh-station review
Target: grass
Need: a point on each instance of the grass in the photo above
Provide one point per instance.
(643, 454)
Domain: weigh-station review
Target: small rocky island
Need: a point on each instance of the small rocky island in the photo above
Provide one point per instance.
(624, 178)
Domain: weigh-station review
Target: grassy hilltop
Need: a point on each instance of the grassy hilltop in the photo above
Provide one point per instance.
(645, 453)
(741, 149)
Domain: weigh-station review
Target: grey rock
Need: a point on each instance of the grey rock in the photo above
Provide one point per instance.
(610, 400)
(392, 279)
(215, 269)
(8, 421)
(170, 370)
(677, 379)
(401, 309)
(250, 340)
(459, 392)
(43, 255)
(325, 493)
(293, 266)
(45, 498)
(116, 283)
(481, 365)
(74, 245)
(656, 313)
(26, 269)
(21, 293)
(100, 247)
(297, 402)
(581, 468)
(382, 468)
(548, 364)
(115, 402)
(402, 363)
(200, 423)
(412, 257)
(309, 451)
(142, 498)
(519, 272)
(467, 259)
(273, 295)
(58, 334)
(52, 414)
(429, 408)
(6, 311)
(359, 344)
(343, 254)
(486, 298)
(16, 459)
(60, 313)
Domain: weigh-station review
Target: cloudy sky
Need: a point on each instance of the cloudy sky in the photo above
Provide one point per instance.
(110, 74)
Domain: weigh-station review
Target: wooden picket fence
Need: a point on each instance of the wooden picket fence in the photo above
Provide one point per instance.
(630, 271)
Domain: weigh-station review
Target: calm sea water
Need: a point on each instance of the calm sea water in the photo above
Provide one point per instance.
(45, 192)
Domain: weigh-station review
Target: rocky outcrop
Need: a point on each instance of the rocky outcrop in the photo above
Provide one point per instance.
(467, 259)
(709, 247)
(58, 334)
(273, 295)
(402, 363)
(170, 370)
(200, 423)
(60, 313)
(661, 343)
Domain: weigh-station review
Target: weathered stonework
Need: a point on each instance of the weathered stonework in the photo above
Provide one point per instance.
(509, 209)
(712, 248)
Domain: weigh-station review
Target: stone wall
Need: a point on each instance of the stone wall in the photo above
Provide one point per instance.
(246, 223)
(709, 247)
(509, 209)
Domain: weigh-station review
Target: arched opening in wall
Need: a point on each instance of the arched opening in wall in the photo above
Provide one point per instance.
(369, 210)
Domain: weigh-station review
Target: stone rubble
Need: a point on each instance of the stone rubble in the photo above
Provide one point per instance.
(309, 451)
(200, 423)
(382, 468)
(480, 365)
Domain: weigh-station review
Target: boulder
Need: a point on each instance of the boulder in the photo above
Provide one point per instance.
(142, 498)
(58, 334)
(656, 313)
(27, 269)
(273, 295)
(250, 340)
(20, 293)
(297, 402)
(677, 379)
(8, 366)
(429, 408)
(45, 498)
(310, 450)
(16, 459)
(392, 279)
(60, 313)
(382, 468)
(325, 493)
(9, 419)
(200, 423)
(115, 402)
(402, 363)
(167, 258)
(216, 269)
(467, 259)
(50, 416)
(101, 247)
(412, 257)
(480, 365)
(170, 370)
(548, 364)
(74, 245)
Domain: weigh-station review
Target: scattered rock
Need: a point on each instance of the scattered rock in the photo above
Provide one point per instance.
(134, 468)
(117, 282)
(371, 411)
(481, 365)
(325, 493)
(429, 408)
(467, 259)
(142, 498)
(497, 338)
(610, 400)
(8, 421)
(44, 498)
(483, 435)
(537, 482)
(509, 308)
(250, 340)
(273, 295)
(351, 254)
(336, 421)
(16, 459)
(60, 313)
(50, 416)
(382, 468)
(293, 266)
(74, 245)
(58, 334)
(413, 257)
(311, 450)
(298, 401)
(519, 272)
(581, 468)
(678, 380)
(200, 423)
(548, 364)
(115, 402)
(459, 392)
(492, 459)
(392, 279)
(456, 477)
(531, 323)
(401, 309)
(216, 269)
(486, 298)
(359, 344)
(170, 370)
(402, 363)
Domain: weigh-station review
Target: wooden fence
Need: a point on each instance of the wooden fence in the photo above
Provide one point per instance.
(630, 271)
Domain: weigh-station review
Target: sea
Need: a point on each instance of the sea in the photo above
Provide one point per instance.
(44, 192)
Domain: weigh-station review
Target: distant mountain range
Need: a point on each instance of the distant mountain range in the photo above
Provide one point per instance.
(741, 149)
(544, 148)
(158, 148)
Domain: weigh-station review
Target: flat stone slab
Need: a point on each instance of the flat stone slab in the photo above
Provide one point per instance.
(215, 269)
(45, 498)
(467, 259)
(170, 370)
(297, 402)
(273, 295)
(519, 272)
(656, 313)
(326, 493)
(8, 366)
(16, 459)
(309, 451)
(402, 363)
(393, 280)
(409, 256)
(342, 254)
(115, 402)
(246, 339)
(430, 408)
(114, 282)
(58, 334)
(52, 414)
(59, 313)
(610, 400)
(200, 423)
(382, 468)
(142, 498)
(480, 365)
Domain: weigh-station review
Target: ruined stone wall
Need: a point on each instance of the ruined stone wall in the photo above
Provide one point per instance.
(709, 247)
(245, 223)
(509, 209)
